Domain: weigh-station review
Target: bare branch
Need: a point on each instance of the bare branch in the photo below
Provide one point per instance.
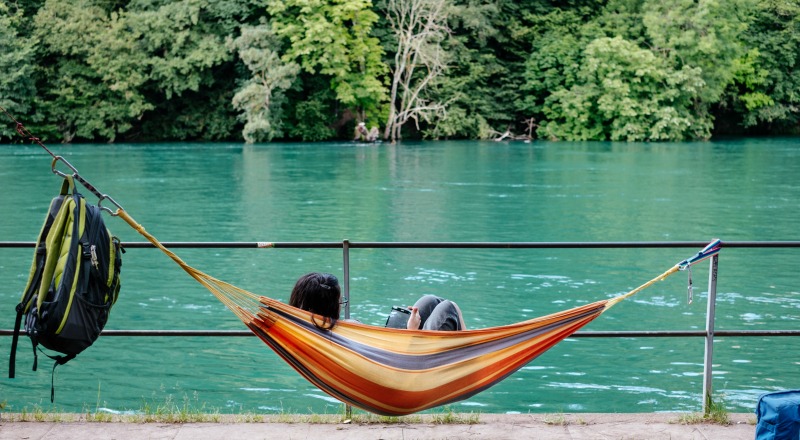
(420, 27)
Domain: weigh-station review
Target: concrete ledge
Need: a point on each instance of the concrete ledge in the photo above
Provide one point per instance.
(489, 426)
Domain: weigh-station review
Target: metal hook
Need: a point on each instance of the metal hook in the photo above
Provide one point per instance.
(112, 201)
(86, 184)
(69, 165)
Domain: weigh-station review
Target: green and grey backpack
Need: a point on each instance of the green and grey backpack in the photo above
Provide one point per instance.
(74, 279)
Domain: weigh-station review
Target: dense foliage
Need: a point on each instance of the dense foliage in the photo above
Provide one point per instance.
(261, 70)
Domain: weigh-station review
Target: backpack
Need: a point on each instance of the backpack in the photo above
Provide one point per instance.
(74, 280)
(778, 415)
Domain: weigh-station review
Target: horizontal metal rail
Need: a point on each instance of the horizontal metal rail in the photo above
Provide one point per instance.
(709, 334)
(584, 334)
(440, 245)
(447, 245)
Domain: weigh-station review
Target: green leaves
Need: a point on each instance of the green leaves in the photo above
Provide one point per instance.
(177, 44)
(625, 93)
(106, 69)
(703, 34)
(17, 87)
(610, 80)
(333, 38)
(261, 97)
(308, 69)
(766, 92)
(91, 87)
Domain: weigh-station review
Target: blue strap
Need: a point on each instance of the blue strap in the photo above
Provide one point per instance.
(712, 249)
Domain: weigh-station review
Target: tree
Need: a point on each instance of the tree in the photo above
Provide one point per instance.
(17, 88)
(144, 70)
(158, 67)
(767, 89)
(333, 38)
(559, 38)
(186, 65)
(90, 81)
(700, 33)
(261, 97)
(482, 82)
(626, 93)
(419, 28)
(311, 121)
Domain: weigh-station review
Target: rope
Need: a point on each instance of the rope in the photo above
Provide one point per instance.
(243, 303)
(711, 249)
(613, 301)
(25, 133)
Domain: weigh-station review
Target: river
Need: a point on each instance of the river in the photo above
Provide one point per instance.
(737, 190)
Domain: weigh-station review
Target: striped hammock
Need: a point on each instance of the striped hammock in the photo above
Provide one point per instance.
(397, 372)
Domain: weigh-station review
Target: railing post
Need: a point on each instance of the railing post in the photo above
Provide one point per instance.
(346, 276)
(712, 307)
(348, 410)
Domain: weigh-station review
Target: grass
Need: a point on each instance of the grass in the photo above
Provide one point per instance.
(446, 417)
(561, 420)
(171, 411)
(716, 414)
(188, 411)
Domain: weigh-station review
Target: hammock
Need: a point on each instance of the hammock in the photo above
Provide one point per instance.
(398, 372)
(382, 370)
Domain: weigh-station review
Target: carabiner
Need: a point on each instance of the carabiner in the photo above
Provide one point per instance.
(55, 171)
(113, 202)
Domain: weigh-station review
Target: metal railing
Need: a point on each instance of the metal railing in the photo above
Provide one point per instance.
(346, 245)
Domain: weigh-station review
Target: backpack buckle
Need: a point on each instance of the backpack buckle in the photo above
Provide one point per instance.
(93, 252)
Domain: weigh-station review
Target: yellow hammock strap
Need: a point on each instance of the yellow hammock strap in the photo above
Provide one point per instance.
(243, 303)
(613, 301)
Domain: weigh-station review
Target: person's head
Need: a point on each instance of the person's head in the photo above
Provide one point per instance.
(317, 293)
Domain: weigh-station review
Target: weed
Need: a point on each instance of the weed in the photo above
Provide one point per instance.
(188, 409)
(715, 413)
(447, 417)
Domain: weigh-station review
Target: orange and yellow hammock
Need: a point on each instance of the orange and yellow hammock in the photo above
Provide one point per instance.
(398, 372)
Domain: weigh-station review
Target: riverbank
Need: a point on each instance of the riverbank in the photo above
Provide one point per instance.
(650, 426)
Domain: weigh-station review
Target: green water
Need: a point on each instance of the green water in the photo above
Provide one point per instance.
(743, 190)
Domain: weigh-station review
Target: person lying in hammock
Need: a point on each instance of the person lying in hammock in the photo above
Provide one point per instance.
(320, 293)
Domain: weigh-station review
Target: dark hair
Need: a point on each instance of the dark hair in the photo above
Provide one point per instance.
(318, 293)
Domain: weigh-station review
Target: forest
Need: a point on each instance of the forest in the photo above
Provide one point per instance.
(313, 70)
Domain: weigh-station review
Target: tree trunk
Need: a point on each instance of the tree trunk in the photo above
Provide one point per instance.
(419, 27)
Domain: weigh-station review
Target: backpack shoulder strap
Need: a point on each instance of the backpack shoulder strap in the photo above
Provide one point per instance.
(37, 268)
(12, 360)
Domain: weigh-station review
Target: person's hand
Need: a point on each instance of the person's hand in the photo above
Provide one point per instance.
(414, 320)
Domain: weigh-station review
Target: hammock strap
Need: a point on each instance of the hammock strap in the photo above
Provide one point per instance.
(711, 249)
(613, 301)
(241, 302)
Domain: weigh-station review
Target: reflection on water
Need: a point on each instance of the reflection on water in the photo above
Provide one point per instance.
(743, 190)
